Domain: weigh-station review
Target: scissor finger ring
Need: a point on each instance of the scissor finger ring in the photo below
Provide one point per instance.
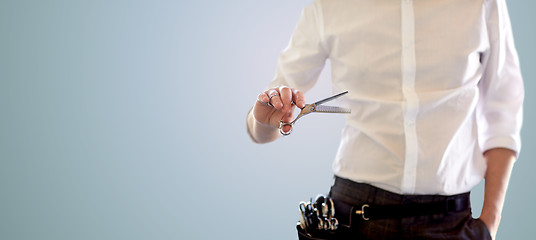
(282, 124)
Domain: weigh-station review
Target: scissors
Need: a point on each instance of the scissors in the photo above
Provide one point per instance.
(318, 215)
(315, 107)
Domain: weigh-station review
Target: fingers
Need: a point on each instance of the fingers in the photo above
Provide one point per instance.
(270, 98)
(277, 104)
(274, 99)
(298, 98)
(286, 98)
(263, 98)
(282, 98)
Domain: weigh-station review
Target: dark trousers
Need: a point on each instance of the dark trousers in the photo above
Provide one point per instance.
(457, 225)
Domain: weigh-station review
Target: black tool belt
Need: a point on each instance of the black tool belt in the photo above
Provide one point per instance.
(345, 213)
(318, 220)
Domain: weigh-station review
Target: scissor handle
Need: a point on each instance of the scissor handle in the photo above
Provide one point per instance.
(282, 124)
(309, 108)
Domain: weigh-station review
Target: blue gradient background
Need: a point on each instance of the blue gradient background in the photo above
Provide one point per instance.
(126, 120)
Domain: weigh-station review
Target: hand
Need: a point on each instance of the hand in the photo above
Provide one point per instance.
(276, 104)
(493, 226)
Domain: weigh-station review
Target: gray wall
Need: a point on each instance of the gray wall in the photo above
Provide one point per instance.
(126, 120)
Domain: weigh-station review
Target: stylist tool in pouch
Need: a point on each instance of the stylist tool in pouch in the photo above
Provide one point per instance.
(317, 219)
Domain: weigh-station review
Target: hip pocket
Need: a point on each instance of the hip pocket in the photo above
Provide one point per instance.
(479, 229)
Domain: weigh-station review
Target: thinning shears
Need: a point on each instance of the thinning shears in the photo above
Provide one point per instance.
(315, 107)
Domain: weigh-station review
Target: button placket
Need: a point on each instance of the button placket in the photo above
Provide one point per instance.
(410, 96)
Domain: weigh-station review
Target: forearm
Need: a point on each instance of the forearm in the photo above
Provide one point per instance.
(260, 132)
(500, 162)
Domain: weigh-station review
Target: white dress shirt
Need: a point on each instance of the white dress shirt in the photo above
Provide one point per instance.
(432, 85)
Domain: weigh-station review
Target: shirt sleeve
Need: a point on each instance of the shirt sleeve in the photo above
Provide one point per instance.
(500, 108)
(302, 61)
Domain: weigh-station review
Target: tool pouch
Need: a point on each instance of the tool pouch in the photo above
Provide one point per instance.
(302, 235)
(317, 221)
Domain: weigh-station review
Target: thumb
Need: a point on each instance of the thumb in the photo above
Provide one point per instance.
(287, 118)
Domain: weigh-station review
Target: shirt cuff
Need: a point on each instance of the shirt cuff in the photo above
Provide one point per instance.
(502, 142)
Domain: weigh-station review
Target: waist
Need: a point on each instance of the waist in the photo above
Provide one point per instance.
(368, 202)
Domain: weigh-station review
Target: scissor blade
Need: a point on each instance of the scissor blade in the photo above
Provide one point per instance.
(330, 98)
(332, 109)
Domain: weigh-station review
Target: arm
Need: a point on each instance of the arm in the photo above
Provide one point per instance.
(299, 66)
(500, 162)
(500, 112)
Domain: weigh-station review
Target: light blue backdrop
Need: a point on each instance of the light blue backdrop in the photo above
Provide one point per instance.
(126, 120)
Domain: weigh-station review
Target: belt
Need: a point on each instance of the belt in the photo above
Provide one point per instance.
(345, 212)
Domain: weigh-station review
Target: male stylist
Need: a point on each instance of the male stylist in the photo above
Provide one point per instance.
(436, 95)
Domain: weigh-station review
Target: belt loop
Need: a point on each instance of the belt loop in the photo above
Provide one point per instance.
(372, 195)
(449, 204)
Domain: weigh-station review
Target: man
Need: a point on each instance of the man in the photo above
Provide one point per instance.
(436, 95)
